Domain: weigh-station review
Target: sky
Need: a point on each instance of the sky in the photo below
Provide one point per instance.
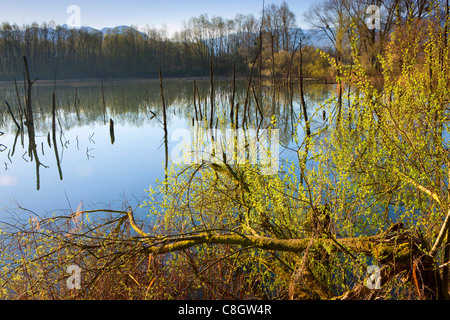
(155, 13)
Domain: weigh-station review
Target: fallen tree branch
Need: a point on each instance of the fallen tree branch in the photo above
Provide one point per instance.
(381, 246)
(370, 246)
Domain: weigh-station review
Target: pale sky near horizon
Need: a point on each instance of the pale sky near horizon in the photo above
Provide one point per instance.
(155, 13)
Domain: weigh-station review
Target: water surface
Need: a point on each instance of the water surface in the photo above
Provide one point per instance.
(98, 172)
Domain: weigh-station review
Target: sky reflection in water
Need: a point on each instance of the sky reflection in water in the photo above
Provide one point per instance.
(95, 172)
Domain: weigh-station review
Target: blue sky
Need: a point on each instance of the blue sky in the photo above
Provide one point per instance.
(110, 13)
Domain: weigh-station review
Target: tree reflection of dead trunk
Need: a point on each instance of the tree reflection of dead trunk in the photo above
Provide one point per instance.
(12, 115)
(199, 104)
(32, 152)
(111, 130)
(258, 108)
(21, 112)
(76, 105)
(15, 142)
(305, 115)
(104, 105)
(195, 102)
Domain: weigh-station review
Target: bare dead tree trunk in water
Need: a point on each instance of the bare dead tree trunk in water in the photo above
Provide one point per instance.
(302, 95)
(233, 93)
(21, 112)
(166, 146)
(211, 72)
(258, 55)
(28, 86)
(305, 112)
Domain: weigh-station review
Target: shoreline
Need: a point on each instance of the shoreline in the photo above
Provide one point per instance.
(90, 81)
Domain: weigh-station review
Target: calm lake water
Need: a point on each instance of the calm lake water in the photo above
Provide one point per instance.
(96, 172)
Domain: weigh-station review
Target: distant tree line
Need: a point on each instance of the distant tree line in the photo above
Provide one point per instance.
(87, 53)
(271, 45)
